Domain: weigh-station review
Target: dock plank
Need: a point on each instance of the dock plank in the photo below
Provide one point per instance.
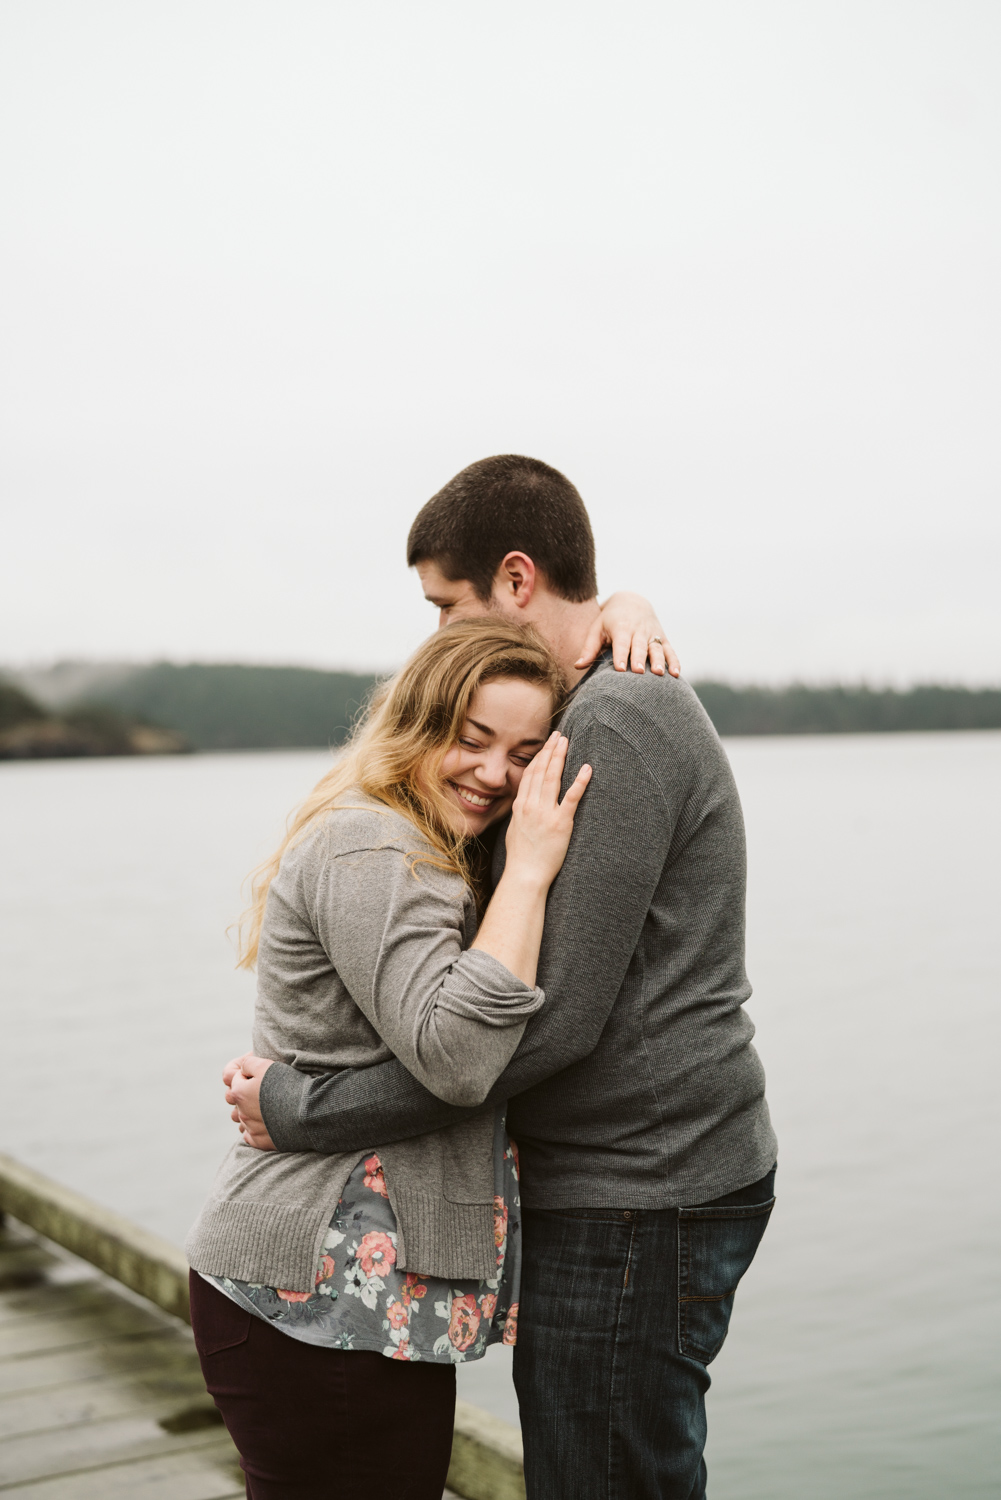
(177, 1477)
(96, 1398)
(100, 1393)
(161, 1356)
(89, 1445)
(27, 1337)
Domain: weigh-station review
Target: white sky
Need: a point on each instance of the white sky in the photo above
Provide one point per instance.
(274, 270)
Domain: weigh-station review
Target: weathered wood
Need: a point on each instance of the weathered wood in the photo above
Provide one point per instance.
(26, 1338)
(161, 1357)
(96, 1444)
(142, 1261)
(99, 1398)
(176, 1477)
(102, 1396)
(487, 1459)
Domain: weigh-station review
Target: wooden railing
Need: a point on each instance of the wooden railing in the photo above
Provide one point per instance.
(486, 1452)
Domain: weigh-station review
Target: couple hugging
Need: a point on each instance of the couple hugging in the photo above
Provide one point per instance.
(452, 958)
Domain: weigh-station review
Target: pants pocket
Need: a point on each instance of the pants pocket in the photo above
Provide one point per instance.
(715, 1247)
(217, 1322)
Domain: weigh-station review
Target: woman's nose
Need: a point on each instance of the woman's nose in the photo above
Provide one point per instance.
(492, 771)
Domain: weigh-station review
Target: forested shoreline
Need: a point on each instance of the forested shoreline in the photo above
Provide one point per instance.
(167, 708)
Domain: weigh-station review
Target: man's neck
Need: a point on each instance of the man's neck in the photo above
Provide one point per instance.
(565, 626)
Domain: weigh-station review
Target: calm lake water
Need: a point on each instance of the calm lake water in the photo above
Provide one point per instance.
(864, 1358)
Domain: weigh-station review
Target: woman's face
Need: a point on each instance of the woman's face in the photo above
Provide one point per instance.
(509, 720)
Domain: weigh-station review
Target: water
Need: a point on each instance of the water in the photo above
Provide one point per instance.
(865, 1353)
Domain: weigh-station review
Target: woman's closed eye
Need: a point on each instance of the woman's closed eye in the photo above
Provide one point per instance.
(520, 758)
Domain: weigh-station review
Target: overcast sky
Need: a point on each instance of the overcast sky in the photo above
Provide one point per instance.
(274, 270)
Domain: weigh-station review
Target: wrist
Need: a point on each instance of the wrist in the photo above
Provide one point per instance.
(525, 879)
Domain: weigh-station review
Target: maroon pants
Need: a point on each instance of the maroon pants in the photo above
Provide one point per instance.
(322, 1424)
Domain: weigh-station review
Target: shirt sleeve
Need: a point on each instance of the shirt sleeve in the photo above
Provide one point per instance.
(594, 917)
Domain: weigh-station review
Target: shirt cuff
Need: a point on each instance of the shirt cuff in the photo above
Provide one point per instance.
(282, 1097)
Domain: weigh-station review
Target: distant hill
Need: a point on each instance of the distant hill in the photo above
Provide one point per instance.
(235, 707)
(240, 707)
(29, 731)
(847, 710)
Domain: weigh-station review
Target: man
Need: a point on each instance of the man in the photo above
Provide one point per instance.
(636, 1098)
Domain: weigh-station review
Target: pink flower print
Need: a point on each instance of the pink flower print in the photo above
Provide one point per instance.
(511, 1325)
(402, 1350)
(517, 1163)
(488, 1305)
(397, 1314)
(414, 1289)
(500, 1221)
(326, 1270)
(294, 1296)
(464, 1323)
(375, 1177)
(376, 1253)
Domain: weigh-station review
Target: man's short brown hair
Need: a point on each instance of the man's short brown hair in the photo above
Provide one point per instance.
(501, 505)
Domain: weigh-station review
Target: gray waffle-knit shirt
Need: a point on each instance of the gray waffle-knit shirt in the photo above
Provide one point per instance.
(636, 1085)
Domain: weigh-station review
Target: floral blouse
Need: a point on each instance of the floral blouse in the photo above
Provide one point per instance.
(361, 1301)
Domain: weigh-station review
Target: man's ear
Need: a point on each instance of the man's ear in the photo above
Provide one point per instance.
(515, 580)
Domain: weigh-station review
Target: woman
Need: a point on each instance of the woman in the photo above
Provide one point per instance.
(309, 1270)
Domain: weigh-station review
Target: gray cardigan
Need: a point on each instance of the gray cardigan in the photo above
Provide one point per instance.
(365, 955)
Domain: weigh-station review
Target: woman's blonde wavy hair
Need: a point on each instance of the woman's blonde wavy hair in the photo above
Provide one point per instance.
(397, 747)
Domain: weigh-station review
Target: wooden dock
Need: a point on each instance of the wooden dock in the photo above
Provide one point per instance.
(101, 1394)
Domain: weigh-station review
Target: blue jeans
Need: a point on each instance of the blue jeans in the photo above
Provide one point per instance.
(621, 1312)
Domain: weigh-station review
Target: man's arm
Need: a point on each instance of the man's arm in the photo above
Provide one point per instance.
(594, 917)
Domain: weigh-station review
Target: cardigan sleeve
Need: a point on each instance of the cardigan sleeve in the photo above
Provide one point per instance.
(395, 932)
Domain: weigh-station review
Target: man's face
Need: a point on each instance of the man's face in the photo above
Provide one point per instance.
(456, 599)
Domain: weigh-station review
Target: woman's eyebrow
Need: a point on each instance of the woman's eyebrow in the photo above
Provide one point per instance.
(491, 733)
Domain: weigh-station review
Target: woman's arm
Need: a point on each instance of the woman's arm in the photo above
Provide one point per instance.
(629, 625)
(393, 930)
(453, 1019)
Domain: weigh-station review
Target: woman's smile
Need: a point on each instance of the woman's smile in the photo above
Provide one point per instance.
(483, 801)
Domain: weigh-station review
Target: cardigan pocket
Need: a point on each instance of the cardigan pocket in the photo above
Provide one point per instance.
(467, 1159)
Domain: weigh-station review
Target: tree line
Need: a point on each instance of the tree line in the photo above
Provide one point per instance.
(166, 708)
